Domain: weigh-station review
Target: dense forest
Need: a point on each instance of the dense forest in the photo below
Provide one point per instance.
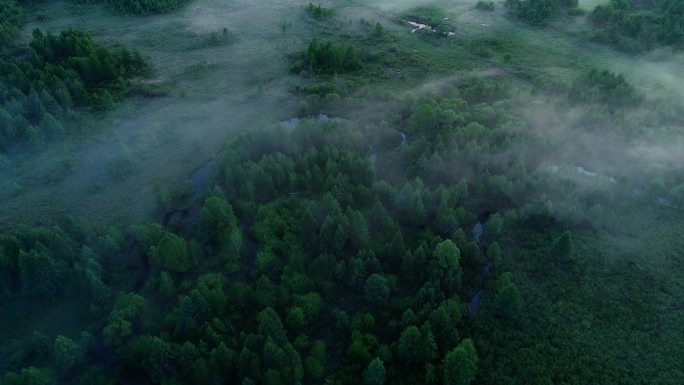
(640, 25)
(145, 7)
(217, 303)
(411, 196)
(539, 11)
(63, 73)
(10, 20)
(133, 7)
(43, 86)
(629, 25)
(320, 13)
(330, 58)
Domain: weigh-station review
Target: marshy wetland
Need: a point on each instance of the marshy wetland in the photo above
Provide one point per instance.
(345, 192)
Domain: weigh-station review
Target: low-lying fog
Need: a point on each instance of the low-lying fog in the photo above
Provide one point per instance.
(216, 91)
(244, 83)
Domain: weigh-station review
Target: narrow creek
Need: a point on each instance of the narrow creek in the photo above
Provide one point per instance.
(320, 118)
(474, 302)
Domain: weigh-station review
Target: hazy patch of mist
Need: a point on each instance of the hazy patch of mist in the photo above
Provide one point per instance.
(657, 74)
(245, 84)
(217, 91)
(589, 5)
(401, 5)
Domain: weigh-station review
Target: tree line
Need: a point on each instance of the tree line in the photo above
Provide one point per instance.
(43, 85)
(637, 25)
(46, 84)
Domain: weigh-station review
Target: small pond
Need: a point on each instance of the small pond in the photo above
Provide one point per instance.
(321, 118)
(478, 229)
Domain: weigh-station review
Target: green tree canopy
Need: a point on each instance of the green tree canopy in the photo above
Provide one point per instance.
(218, 224)
(561, 249)
(460, 364)
(374, 373)
(376, 290)
(172, 254)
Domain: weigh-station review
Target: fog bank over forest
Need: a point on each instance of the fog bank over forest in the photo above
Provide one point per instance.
(462, 192)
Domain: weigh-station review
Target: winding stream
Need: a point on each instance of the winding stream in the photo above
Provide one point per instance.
(478, 229)
(200, 177)
(474, 302)
(320, 118)
(373, 156)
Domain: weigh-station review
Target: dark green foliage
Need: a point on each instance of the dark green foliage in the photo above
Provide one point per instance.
(485, 5)
(538, 11)
(423, 119)
(508, 301)
(320, 13)
(376, 290)
(11, 19)
(124, 320)
(329, 233)
(561, 249)
(55, 75)
(374, 373)
(442, 319)
(633, 25)
(307, 263)
(417, 346)
(154, 355)
(378, 30)
(27, 376)
(447, 266)
(310, 231)
(494, 254)
(460, 364)
(218, 225)
(325, 57)
(67, 354)
(604, 88)
(172, 254)
(145, 7)
(39, 274)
